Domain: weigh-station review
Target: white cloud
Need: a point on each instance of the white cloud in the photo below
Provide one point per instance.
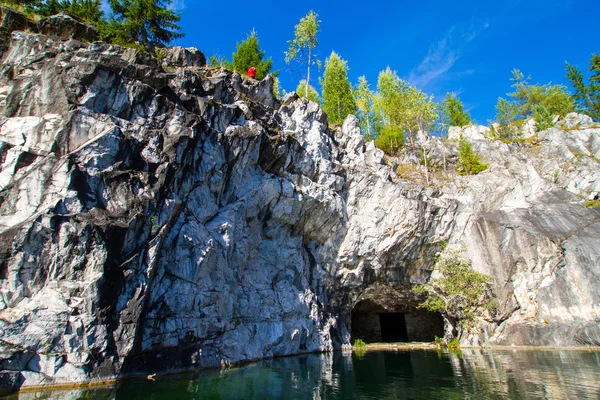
(442, 56)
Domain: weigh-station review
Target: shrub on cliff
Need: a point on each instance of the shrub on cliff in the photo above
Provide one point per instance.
(457, 291)
(542, 102)
(469, 162)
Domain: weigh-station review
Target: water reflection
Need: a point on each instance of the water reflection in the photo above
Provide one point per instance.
(474, 374)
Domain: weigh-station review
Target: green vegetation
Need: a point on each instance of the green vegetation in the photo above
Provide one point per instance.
(136, 23)
(402, 108)
(364, 104)
(458, 292)
(301, 48)
(453, 113)
(469, 162)
(219, 61)
(358, 343)
(592, 203)
(587, 96)
(149, 22)
(454, 344)
(338, 99)
(308, 91)
(542, 102)
(86, 10)
(249, 54)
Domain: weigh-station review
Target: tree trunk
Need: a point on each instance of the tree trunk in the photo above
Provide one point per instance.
(426, 168)
(308, 75)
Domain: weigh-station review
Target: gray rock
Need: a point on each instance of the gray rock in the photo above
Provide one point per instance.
(68, 27)
(183, 57)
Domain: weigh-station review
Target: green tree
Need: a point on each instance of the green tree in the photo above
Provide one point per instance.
(87, 10)
(303, 89)
(586, 96)
(555, 98)
(364, 103)
(338, 99)
(301, 48)
(458, 292)
(403, 108)
(469, 162)
(453, 113)
(149, 22)
(249, 54)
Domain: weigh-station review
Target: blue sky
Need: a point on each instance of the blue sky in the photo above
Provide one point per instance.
(465, 47)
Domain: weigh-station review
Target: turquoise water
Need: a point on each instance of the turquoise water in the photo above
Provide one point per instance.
(417, 374)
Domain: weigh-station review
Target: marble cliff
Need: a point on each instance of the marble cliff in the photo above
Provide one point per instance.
(162, 215)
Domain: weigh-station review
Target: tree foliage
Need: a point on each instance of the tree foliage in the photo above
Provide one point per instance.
(469, 162)
(249, 54)
(453, 113)
(219, 61)
(89, 11)
(530, 101)
(302, 90)
(402, 108)
(555, 98)
(457, 292)
(364, 103)
(586, 96)
(149, 22)
(338, 99)
(301, 48)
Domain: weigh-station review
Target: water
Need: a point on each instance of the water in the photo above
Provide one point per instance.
(417, 374)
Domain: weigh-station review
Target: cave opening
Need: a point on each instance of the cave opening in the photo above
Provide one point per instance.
(394, 321)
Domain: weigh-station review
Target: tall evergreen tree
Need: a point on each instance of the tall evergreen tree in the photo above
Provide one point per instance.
(149, 22)
(338, 99)
(453, 113)
(301, 48)
(88, 10)
(249, 54)
(586, 96)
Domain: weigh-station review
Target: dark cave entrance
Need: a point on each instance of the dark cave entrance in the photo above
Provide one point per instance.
(393, 327)
(394, 319)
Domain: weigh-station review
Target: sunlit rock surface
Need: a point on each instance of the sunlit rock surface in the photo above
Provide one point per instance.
(182, 217)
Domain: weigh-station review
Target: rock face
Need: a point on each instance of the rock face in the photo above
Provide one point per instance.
(155, 220)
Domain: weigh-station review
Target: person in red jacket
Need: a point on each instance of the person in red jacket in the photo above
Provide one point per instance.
(252, 72)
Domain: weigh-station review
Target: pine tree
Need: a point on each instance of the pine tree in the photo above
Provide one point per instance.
(586, 96)
(87, 10)
(149, 22)
(453, 113)
(249, 54)
(301, 48)
(338, 99)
